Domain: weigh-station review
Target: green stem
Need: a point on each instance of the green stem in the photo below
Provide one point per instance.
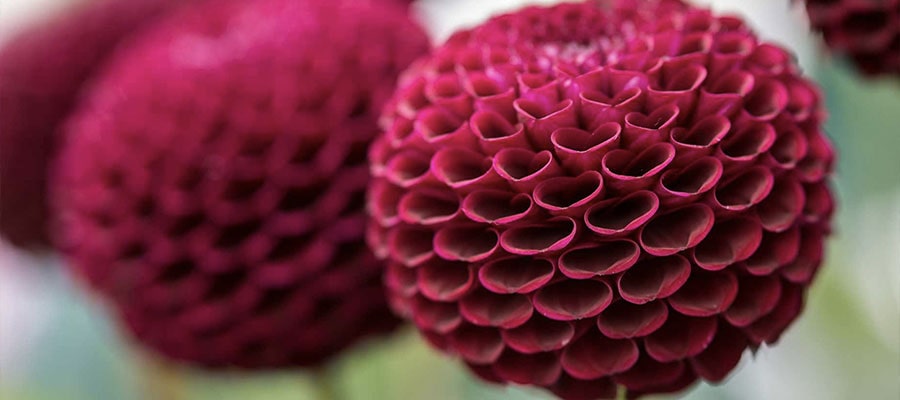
(325, 383)
(163, 381)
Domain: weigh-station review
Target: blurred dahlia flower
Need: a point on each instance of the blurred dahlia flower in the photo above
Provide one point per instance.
(868, 31)
(213, 185)
(605, 196)
(42, 72)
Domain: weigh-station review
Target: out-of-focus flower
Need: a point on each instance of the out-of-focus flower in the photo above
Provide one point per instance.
(213, 185)
(605, 195)
(868, 31)
(42, 72)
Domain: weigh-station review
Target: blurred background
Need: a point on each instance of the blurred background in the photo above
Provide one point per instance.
(55, 342)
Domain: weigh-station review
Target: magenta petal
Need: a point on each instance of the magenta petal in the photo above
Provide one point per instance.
(729, 242)
(435, 316)
(809, 258)
(484, 308)
(500, 103)
(438, 341)
(384, 198)
(400, 279)
(724, 96)
(654, 278)
(625, 320)
(407, 168)
(485, 372)
(462, 169)
(538, 368)
(411, 98)
(705, 294)
(757, 296)
(442, 128)
(625, 171)
(680, 337)
(700, 138)
(687, 378)
(783, 206)
(524, 169)
(648, 373)
(608, 95)
(541, 120)
(440, 280)
(465, 243)
(775, 251)
(641, 130)
(481, 85)
(628, 214)
(744, 190)
(767, 100)
(679, 88)
(477, 345)
(769, 59)
(747, 143)
(495, 133)
(539, 89)
(515, 274)
(677, 187)
(497, 207)
(605, 258)
(819, 202)
(428, 207)
(722, 355)
(446, 92)
(769, 328)
(573, 299)
(677, 230)
(580, 150)
(789, 148)
(552, 236)
(443, 87)
(595, 356)
(729, 50)
(818, 161)
(569, 195)
(411, 246)
(804, 98)
(539, 334)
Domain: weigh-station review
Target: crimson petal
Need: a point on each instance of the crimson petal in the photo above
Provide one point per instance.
(595, 356)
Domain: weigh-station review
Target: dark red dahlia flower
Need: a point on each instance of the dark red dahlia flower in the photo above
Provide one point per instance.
(605, 195)
(42, 72)
(868, 31)
(213, 185)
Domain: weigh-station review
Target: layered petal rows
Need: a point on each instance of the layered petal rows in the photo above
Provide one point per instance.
(605, 195)
(868, 31)
(213, 184)
(42, 72)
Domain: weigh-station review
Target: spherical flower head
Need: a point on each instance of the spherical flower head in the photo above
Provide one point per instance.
(42, 71)
(212, 187)
(867, 31)
(604, 195)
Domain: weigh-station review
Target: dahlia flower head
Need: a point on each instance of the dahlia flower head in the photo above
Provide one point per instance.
(42, 72)
(602, 196)
(212, 188)
(867, 31)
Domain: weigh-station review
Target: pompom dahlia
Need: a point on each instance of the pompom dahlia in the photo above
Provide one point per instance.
(868, 31)
(213, 185)
(605, 195)
(42, 72)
